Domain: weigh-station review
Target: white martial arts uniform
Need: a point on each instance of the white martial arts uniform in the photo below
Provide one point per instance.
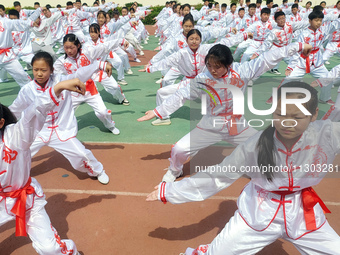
(314, 63)
(285, 207)
(60, 128)
(209, 131)
(17, 186)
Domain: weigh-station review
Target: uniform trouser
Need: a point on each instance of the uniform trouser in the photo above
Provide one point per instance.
(165, 92)
(237, 238)
(3, 74)
(334, 111)
(27, 58)
(331, 49)
(74, 151)
(170, 77)
(97, 104)
(15, 69)
(321, 71)
(252, 48)
(198, 139)
(131, 51)
(117, 64)
(124, 57)
(133, 41)
(112, 87)
(45, 238)
(46, 48)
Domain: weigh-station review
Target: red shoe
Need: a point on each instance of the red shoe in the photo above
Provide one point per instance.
(270, 100)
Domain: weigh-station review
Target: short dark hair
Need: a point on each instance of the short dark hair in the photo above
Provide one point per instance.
(2, 7)
(232, 4)
(16, 3)
(259, 1)
(14, 13)
(252, 6)
(58, 6)
(278, 14)
(309, 2)
(224, 5)
(322, 2)
(295, 6)
(69, 3)
(269, 1)
(241, 9)
(316, 15)
(37, 3)
(265, 10)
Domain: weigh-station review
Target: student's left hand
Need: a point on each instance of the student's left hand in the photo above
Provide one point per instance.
(253, 56)
(250, 35)
(148, 116)
(108, 68)
(307, 48)
(153, 196)
(234, 30)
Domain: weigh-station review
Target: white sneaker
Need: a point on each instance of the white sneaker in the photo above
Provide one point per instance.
(145, 42)
(115, 131)
(327, 63)
(250, 83)
(129, 71)
(141, 46)
(122, 82)
(141, 53)
(5, 80)
(125, 102)
(25, 68)
(56, 46)
(170, 175)
(159, 122)
(103, 178)
(137, 60)
(159, 81)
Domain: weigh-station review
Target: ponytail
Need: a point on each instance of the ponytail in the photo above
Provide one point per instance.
(265, 147)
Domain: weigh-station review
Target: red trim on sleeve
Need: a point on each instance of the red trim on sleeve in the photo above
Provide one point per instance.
(62, 13)
(52, 97)
(157, 113)
(162, 193)
(245, 36)
(123, 42)
(148, 70)
(289, 68)
(300, 46)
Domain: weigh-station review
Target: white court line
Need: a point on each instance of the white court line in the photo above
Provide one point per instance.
(137, 194)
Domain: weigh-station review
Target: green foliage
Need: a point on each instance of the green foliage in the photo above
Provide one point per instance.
(234, 1)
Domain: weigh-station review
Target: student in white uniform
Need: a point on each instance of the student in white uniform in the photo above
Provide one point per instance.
(60, 128)
(279, 201)
(22, 198)
(229, 127)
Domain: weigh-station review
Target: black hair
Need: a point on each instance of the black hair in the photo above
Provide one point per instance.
(337, 2)
(2, 7)
(322, 2)
(247, 1)
(315, 15)
(174, 7)
(278, 14)
(194, 31)
(259, 1)
(224, 5)
(252, 6)
(317, 8)
(232, 4)
(125, 8)
(275, 5)
(13, 12)
(216, 3)
(167, 3)
(295, 6)
(101, 12)
(48, 6)
(269, 1)
(284, 1)
(131, 9)
(265, 10)
(265, 144)
(58, 6)
(188, 17)
(8, 116)
(44, 56)
(210, 5)
(78, 1)
(37, 3)
(16, 3)
(115, 12)
(220, 54)
(95, 27)
(74, 39)
(309, 2)
(84, 4)
(69, 3)
(95, 3)
(241, 9)
(186, 5)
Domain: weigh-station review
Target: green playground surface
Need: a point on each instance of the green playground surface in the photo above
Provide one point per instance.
(141, 92)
